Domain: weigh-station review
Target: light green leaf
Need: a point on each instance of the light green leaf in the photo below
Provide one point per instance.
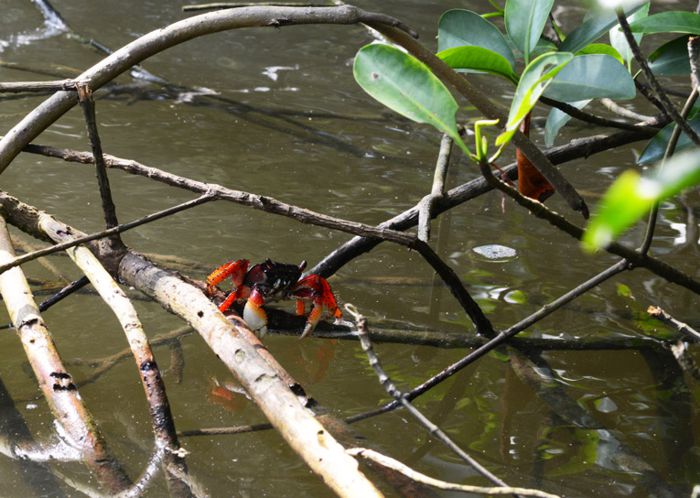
(631, 196)
(459, 27)
(525, 20)
(671, 59)
(592, 77)
(557, 120)
(601, 48)
(617, 37)
(592, 28)
(475, 58)
(677, 21)
(404, 84)
(533, 82)
(654, 151)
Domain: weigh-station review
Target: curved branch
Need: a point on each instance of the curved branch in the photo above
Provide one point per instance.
(161, 39)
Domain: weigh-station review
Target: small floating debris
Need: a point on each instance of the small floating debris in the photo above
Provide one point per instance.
(496, 252)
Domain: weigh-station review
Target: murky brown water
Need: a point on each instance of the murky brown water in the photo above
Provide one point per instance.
(365, 164)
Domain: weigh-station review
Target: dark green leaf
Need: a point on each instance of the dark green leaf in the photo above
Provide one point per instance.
(406, 85)
(669, 22)
(671, 59)
(458, 28)
(631, 196)
(525, 20)
(656, 147)
(592, 29)
(591, 77)
(478, 59)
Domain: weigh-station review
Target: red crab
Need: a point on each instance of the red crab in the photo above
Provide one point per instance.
(269, 281)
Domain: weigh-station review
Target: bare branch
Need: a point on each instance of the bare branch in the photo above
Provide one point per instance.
(666, 106)
(394, 464)
(56, 384)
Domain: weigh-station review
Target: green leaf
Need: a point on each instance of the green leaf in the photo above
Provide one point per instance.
(671, 59)
(601, 48)
(592, 28)
(631, 196)
(592, 77)
(475, 58)
(617, 37)
(655, 149)
(533, 82)
(557, 119)
(677, 21)
(525, 20)
(458, 28)
(404, 84)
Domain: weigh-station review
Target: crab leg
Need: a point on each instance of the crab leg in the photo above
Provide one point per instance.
(315, 288)
(237, 271)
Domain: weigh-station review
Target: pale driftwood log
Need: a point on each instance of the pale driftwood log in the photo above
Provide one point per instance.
(72, 417)
(288, 415)
(153, 385)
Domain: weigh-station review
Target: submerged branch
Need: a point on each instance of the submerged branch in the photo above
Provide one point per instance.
(55, 382)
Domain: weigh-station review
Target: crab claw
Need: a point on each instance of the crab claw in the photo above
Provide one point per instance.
(316, 289)
(254, 315)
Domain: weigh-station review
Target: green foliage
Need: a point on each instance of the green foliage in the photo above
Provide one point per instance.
(591, 77)
(668, 22)
(671, 59)
(469, 42)
(631, 196)
(475, 58)
(656, 147)
(533, 82)
(404, 84)
(601, 48)
(525, 21)
(592, 28)
(459, 28)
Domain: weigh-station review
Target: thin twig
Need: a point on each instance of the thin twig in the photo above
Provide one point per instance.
(36, 86)
(396, 465)
(681, 327)
(588, 117)
(425, 207)
(390, 387)
(105, 233)
(271, 205)
(667, 106)
(108, 208)
(670, 150)
(503, 336)
(613, 106)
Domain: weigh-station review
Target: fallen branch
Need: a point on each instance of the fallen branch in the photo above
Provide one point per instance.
(56, 384)
(226, 338)
(156, 41)
(162, 422)
(394, 464)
